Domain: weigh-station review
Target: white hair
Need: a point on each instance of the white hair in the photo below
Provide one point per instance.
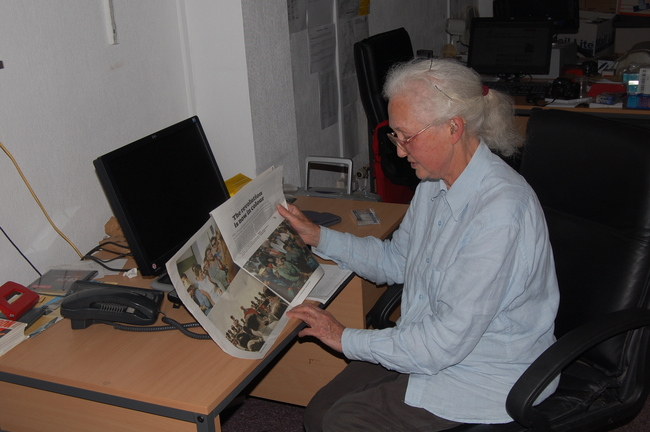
(442, 88)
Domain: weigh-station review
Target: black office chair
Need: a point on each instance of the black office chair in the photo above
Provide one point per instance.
(373, 57)
(592, 177)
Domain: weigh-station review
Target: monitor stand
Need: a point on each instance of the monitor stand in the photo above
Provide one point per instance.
(163, 283)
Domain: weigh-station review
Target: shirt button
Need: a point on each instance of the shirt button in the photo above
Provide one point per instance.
(421, 296)
(428, 260)
(439, 223)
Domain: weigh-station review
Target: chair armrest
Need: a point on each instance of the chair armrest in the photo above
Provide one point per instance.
(379, 315)
(550, 364)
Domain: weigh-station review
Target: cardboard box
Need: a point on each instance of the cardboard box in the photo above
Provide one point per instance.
(595, 36)
(626, 38)
(644, 80)
(605, 6)
(639, 8)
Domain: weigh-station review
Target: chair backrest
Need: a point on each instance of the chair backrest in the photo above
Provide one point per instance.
(373, 58)
(592, 177)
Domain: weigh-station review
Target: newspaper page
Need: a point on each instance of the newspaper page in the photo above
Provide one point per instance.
(263, 243)
(244, 268)
(332, 280)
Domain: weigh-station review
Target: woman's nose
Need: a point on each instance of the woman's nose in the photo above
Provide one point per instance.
(401, 152)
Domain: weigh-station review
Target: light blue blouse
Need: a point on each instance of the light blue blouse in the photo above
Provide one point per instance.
(480, 291)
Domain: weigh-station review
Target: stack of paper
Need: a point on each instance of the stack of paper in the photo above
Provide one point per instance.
(11, 334)
(567, 103)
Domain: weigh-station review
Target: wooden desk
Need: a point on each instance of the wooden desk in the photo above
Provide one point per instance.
(106, 380)
(629, 116)
(522, 108)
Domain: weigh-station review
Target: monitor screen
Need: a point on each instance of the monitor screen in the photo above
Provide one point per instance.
(510, 48)
(564, 14)
(161, 189)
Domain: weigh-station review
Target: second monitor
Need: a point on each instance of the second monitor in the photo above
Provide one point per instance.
(510, 48)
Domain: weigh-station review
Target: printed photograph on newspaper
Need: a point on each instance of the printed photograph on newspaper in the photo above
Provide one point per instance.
(244, 268)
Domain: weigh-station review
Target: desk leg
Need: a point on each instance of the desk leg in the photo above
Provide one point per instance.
(207, 424)
(307, 365)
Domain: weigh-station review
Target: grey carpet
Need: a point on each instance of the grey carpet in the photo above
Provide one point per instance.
(259, 415)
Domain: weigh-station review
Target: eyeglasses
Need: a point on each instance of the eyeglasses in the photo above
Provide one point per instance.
(448, 97)
(403, 143)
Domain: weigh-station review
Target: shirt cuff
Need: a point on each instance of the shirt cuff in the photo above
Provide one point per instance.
(330, 240)
(323, 239)
(355, 344)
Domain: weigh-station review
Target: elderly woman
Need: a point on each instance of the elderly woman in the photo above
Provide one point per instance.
(480, 291)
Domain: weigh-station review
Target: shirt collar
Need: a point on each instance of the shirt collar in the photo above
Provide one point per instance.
(467, 183)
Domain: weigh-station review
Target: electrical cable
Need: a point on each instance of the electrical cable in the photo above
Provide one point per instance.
(47, 216)
(100, 248)
(20, 252)
(184, 329)
(101, 263)
(172, 325)
(537, 102)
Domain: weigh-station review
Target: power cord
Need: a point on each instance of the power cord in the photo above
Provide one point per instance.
(118, 255)
(47, 216)
(537, 102)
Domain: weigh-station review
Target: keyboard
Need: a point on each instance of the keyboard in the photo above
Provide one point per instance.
(515, 88)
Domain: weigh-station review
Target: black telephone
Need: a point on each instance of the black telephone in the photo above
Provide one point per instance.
(93, 302)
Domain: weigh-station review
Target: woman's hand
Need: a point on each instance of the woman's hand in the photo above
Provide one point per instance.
(321, 324)
(309, 231)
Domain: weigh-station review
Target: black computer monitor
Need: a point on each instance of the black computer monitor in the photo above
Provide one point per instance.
(510, 48)
(162, 188)
(564, 14)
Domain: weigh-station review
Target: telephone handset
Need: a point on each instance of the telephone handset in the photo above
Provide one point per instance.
(93, 302)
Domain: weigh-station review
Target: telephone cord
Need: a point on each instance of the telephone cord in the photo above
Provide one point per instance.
(172, 325)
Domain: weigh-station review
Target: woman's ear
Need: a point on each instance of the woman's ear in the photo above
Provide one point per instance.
(457, 126)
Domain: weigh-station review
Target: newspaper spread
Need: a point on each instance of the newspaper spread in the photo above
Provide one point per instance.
(244, 268)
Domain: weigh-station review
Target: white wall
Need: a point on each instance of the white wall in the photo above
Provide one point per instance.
(266, 35)
(67, 96)
(219, 75)
(482, 7)
(424, 20)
